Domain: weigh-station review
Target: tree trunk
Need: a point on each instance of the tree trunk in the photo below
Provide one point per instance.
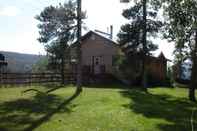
(62, 64)
(62, 69)
(193, 82)
(144, 74)
(79, 66)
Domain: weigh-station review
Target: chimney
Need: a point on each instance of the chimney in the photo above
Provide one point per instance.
(124, 1)
(111, 32)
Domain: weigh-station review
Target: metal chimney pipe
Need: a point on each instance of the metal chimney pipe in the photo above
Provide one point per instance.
(111, 32)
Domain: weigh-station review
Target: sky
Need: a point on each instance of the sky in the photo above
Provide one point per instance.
(19, 32)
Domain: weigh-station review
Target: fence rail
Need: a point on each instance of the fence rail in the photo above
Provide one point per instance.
(30, 78)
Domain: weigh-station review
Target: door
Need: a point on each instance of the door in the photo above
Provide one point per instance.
(97, 64)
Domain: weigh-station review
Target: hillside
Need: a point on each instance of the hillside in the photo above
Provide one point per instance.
(19, 62)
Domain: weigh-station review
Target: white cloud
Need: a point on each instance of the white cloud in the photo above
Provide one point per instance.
(9, 11)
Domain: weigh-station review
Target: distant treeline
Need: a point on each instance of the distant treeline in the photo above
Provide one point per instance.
(19, 62)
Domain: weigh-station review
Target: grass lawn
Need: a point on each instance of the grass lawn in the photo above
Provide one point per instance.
(161, 109)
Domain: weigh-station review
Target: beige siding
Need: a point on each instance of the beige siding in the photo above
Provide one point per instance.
(98, 46)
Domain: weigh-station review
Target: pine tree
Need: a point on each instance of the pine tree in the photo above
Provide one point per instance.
(135, 37)
(58, 30)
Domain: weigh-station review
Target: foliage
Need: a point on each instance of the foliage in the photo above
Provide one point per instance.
(58, 30)
(180, 25)
(101, 108)
(135, 37)
(57, 23)
(129, 68)
(41, 65)
(182, 28)
(131, 34)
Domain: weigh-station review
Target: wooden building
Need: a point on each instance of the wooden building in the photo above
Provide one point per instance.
(98, 53)
(157, 68)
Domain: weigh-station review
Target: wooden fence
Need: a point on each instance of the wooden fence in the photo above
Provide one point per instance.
(31, 78)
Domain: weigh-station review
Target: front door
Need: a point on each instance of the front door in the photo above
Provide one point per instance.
(97, 64)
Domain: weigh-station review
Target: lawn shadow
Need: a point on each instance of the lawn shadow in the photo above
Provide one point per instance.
(28, 114)
(108, 86)
(45, 118)
(50, 88)
(176, 111)
(52, 85)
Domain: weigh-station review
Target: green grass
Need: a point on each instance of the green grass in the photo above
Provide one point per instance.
(95, 109)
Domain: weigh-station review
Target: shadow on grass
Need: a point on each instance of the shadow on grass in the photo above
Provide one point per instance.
(50, 87)
(28, 114)
(176, 111)
(107, 86)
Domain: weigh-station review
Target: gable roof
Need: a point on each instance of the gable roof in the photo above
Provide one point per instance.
(90, 33)
(162, 56)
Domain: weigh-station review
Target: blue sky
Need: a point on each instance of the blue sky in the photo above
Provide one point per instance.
(18, 31)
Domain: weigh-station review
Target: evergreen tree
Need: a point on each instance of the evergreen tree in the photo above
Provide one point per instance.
(135, 37)
(58, 30)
